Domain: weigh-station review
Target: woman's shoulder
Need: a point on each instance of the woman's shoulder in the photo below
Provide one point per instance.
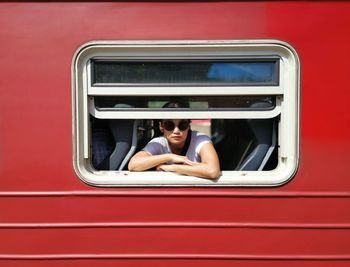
(156, 146)
(199, 140)
(200, 137)
(158, 140)
(199, 134)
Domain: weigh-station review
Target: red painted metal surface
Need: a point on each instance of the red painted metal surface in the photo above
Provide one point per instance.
(49, 217)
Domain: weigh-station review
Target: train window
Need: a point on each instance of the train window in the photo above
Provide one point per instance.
(243, 94)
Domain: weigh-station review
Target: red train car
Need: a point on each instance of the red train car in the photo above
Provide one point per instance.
(82, 85)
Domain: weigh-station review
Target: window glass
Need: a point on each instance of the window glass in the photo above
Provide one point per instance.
(202, 72)
(195, 102)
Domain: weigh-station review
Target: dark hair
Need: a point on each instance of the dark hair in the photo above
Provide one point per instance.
(176, 104)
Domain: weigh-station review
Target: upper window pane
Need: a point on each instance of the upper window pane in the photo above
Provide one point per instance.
(264, 72)
(195, 102)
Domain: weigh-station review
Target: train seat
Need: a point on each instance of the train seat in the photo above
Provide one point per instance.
(264, 142)
(124, 133)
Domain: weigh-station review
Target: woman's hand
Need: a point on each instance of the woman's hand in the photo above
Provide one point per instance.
(144, 161)
(180, 159)
(209, 167)
(165, 168)
(176, 159)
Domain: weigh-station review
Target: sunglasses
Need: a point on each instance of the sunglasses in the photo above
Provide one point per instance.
(170, 125)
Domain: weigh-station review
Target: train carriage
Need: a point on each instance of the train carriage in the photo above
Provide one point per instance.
(82, 89)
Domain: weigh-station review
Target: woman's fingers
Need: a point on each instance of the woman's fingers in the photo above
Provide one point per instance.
(181, 159)
(159, 168)
(188, 162)
(164, 168)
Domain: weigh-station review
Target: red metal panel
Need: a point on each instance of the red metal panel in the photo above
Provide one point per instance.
(36, 75)
(178, 211)
(172, 263)
(178, 243)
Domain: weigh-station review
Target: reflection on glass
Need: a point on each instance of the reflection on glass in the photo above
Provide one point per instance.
(243, 72)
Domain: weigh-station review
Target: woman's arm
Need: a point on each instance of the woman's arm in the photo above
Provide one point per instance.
(208, 168)
(142, 160)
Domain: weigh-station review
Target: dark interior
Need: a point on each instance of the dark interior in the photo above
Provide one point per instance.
(241, 144)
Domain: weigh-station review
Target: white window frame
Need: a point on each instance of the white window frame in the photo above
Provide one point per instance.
(287, 106)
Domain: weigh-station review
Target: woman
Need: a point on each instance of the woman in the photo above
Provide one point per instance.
(179, 150)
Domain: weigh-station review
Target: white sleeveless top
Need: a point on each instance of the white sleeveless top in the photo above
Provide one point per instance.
(160, 145)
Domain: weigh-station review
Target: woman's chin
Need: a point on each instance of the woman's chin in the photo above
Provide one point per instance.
(176, 140)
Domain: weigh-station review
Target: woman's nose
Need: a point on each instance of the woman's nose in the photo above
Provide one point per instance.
(176, 129)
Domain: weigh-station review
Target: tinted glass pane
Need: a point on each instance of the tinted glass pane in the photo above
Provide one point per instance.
(199, 72)
(194, 102)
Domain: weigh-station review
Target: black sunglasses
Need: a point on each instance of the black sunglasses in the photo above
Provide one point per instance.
(170, 125)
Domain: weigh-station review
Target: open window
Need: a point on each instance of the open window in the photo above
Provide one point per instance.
(243, 94)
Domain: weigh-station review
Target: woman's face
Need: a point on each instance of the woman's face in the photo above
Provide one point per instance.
(175, 131)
